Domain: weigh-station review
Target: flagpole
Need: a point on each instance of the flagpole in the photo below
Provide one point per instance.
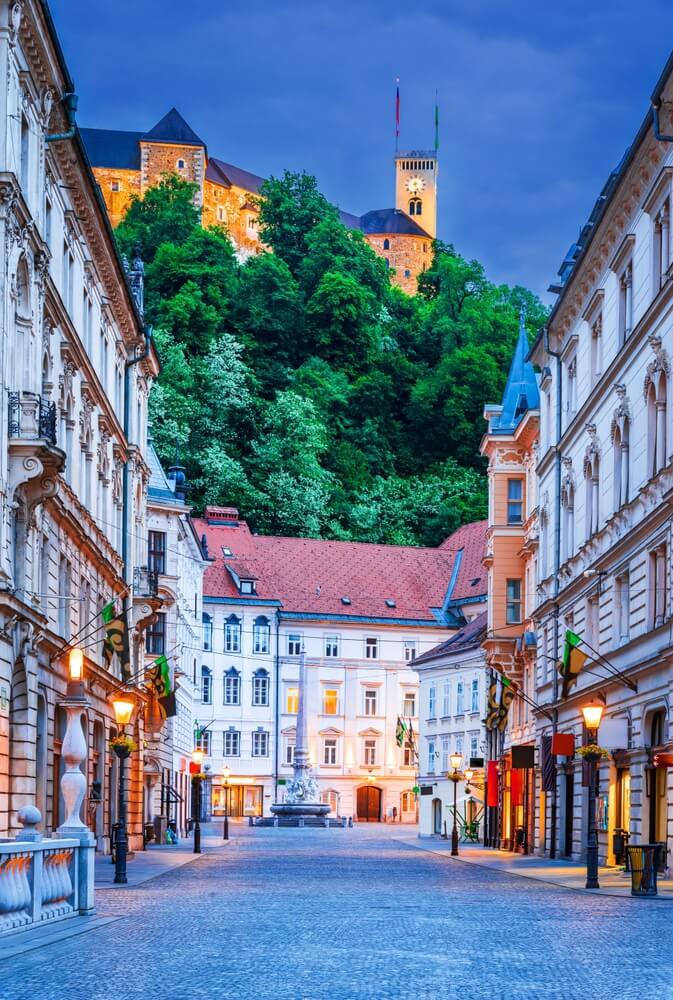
(397, 115)
(606, 663)
(71, 640)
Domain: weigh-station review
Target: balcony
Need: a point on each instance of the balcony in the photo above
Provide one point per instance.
(145, 582)
(146, 599)
(34, 459)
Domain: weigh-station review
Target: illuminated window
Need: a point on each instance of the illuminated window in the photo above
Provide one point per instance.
(408, 802)
(409, 755)
(292, 700)
(330, 701)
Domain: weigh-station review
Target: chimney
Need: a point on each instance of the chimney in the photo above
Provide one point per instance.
(222, 515)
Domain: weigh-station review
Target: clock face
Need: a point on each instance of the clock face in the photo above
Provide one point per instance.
(415, 185)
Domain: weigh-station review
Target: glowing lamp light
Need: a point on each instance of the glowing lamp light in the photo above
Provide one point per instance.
(226, 774)
(456, 760)
(197, 756)
(468, 774)
(75, 664)
(370, 777)
(123, 709)
(592, 716)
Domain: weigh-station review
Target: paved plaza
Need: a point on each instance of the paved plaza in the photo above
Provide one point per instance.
(313, 914)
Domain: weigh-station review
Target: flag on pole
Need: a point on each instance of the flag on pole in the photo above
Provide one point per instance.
(493, 705)
(436, 123)
(507, 692)
(397, 113)
(400, 731)
(571, 662)
(116, 642)
(159, 676)
(168, 706)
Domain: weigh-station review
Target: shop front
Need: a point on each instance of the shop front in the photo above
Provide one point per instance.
(517, 799)
(237, 800)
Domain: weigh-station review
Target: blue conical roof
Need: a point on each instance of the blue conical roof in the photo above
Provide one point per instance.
(521, 392)
(173, 129)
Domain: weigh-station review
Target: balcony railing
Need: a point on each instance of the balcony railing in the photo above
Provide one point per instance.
(145, 582)
(31, 417)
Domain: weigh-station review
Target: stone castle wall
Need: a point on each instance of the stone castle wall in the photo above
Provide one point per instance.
(407, 256)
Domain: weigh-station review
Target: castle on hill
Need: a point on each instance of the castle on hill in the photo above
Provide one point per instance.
(129, 163)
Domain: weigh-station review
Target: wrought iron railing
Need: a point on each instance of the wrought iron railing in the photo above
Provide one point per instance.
(31, 417)
(145, 582)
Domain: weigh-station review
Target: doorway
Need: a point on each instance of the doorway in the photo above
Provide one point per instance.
(436, 815)
(369, 804)
(569, 815)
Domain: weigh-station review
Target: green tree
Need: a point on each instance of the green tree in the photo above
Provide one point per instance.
(167, 214)
(289, 208)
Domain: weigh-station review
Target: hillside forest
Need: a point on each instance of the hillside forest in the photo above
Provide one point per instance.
(304, 388)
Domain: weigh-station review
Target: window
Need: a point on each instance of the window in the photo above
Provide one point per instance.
(115, 186)
(232, 687)
(410, 649)
(260, 744)
(415, 206)
(290, 744)
(658, 586)
(620, 446)
(625, 304)
(206, 686)
(596, 348)
(331, 798)
(431, 757)
(409, 756)
(370, 753)
(221, 213)
(407, 273)
(515, 501)
(591, 611)
(292, 700)
(293, 645)
(408, 802)
(232, 635)
(474, 746)
(261, 635)
(661, 245)
(232, 743)
(571, 389)
(409, 704)
(568, 502)
(25, 155)
(330, 701)
(329, 750)
(386, 244)
(202, 741)
(156, 552)
(331, 645)
(459, 744)
(207, 631)
(656, 420)
(446, 750)
(513, 607)
(156, 635)
(446, 698)
(47, 222)
(474, 703)
(432, 701)
(247, 587)
(460, 698)
(260, 688)
(371, 648)
(622, 603)
(371, 700)
(591, 474)
(180, 165)
(67, 276)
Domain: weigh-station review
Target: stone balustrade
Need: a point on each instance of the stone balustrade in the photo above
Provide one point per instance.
(43, 880)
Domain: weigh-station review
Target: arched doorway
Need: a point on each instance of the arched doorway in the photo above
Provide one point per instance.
(436, 815)
(369, 804)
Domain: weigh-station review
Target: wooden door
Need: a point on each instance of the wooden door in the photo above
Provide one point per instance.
(369, 804)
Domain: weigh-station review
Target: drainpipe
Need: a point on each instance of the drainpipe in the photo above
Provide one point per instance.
(658, 134)
(69, 102)
(557, 565)
(276, 710)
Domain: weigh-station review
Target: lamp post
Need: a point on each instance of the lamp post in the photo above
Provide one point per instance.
(225, 783)
(197, 760)
(123, 710)
(454, 776)
(592, 720)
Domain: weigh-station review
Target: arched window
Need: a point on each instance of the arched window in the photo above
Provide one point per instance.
(620, 447)
(206, 686)
(658, 728)
(415, 206)
(232, 635)
(261, 635)
(180, 164)
(387, 262)
(591, 475)
(207, 631)
(656, 396)
(260, 687)
(232, 687)
(568, 501)
(386, 244)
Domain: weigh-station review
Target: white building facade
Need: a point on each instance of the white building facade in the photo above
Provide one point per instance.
(347, 606)
(606, 378)
(453, 694)
(76, 369)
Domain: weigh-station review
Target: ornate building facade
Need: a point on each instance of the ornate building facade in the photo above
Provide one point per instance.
(126, 164)
(77, 366)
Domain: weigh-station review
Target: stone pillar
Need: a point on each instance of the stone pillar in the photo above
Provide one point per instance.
(661, 434)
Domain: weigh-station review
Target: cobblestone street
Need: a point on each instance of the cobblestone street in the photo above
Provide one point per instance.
(351, 913)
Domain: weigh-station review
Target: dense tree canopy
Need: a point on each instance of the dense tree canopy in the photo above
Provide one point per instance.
(303, 387)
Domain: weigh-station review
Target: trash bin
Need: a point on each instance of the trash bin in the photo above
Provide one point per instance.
(644, 860)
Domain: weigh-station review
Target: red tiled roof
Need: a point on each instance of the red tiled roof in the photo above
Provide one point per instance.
(312, 576)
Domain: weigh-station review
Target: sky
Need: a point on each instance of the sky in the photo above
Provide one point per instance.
(538, 101)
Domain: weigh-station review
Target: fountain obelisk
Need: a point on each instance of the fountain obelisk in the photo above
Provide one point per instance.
(302, 799)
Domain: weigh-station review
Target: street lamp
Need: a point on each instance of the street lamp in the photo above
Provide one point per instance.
(225, 783)
(197, 760)
(123, 710)
(456, 760)
(592, 720)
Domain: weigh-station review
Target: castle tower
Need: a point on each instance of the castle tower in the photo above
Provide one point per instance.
(416, 187)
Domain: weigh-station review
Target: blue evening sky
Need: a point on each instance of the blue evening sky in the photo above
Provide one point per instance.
(537, 100)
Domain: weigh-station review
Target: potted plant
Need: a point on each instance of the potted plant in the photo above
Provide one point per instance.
(592, 752)
(123, 746)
